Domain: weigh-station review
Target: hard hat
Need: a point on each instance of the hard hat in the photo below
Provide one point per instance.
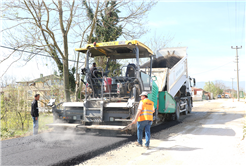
(144, 94)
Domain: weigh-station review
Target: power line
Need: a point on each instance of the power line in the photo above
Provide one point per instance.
(37, 54)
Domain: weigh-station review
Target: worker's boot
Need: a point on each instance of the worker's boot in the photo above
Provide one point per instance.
(146, 147)
(137, 144)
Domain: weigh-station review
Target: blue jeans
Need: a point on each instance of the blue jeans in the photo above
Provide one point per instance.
(35, 126)
(141, 126)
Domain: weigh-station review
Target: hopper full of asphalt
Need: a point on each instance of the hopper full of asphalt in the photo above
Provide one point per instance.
(167, 61)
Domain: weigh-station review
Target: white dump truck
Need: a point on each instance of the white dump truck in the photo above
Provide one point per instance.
(173, 81)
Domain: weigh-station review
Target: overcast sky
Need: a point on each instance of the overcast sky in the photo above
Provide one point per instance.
(208, 29)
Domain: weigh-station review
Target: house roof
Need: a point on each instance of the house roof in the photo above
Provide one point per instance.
(42, 79)
(229, 90)
(198, 89)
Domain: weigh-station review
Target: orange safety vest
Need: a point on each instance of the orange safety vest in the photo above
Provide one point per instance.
(147, 110)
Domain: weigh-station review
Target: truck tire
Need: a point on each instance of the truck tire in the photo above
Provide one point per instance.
(189, 106)
(177, 112)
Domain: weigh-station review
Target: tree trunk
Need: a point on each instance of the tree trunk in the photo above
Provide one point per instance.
(65, 54)
(77, 84)
(65, 69)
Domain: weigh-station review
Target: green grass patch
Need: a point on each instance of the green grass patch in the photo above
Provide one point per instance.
(13, 130)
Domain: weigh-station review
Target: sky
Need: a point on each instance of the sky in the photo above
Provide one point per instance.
(208, 29)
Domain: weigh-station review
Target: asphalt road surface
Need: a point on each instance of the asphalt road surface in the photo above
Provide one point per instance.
(209, 121)
(62, 147)
(56, 148)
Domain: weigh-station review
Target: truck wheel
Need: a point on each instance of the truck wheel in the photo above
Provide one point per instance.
(189, 107)
(177, 112)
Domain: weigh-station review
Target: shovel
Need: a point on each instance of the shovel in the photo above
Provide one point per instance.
(126, 127)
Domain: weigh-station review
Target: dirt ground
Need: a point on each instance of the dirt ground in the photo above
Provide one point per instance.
(211, 135)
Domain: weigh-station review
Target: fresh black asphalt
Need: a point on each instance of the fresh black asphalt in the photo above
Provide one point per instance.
(62, 148)
(56, 148)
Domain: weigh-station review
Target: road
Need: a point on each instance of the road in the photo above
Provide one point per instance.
(57, 148)
(61, 148)
(212, 132)
(210, 135)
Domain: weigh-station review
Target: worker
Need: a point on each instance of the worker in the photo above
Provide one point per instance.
(95, 78)
(144, 119)
(35, 113)
(94, 72)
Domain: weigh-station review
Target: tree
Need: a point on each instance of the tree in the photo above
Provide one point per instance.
(107, 25)
(215, 88)
(14, 104)
(158, 41)
(2, 105)
(107, 29)
(128, 15)
(51, 27)
(39, 22)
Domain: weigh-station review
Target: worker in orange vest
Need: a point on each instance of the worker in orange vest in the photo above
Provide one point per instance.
(144, 117)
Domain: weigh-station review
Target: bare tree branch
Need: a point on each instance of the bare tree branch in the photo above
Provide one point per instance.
(8, 56)
(11, 65)
(94, 22)
(70, 19)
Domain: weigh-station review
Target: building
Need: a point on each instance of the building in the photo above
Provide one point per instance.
(48, 87)
(230, 92)
(197, 94)
(208, 95)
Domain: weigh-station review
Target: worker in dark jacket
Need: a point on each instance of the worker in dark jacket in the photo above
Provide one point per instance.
(35, 114)
(95, 75)
(94, 72)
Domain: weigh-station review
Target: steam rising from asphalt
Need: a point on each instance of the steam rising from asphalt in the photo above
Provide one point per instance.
(59, 134)
(56, 138)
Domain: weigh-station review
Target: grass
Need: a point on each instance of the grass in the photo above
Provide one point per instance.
(44, 118)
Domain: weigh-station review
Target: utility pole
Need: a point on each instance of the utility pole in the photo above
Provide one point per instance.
(237, 71)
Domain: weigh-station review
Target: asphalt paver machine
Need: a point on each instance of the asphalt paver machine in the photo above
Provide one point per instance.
(111, 102)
